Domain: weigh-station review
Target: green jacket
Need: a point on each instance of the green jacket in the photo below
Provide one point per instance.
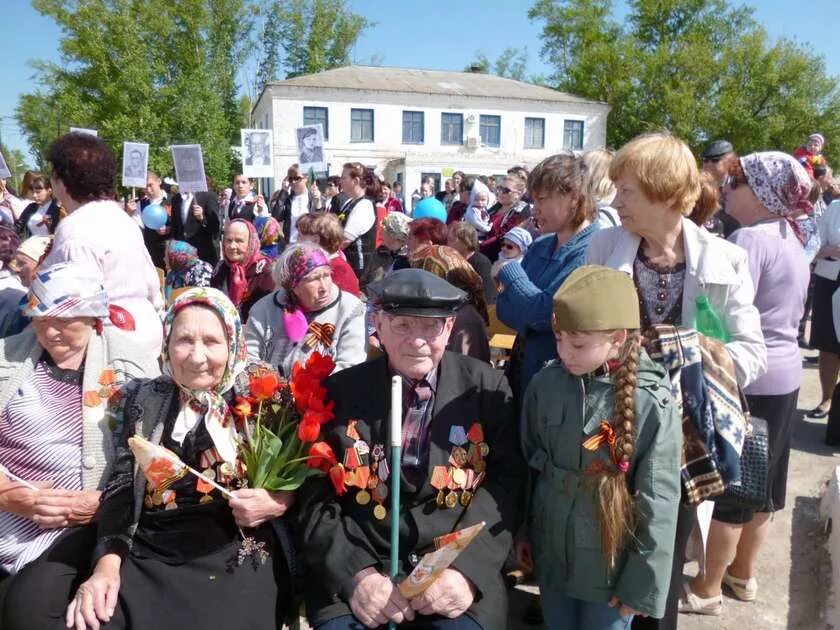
(560, 412)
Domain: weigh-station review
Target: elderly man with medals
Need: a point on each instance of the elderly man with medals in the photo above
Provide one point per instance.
(461, 465)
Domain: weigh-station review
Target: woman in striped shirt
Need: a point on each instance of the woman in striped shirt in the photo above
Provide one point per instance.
(57, 380)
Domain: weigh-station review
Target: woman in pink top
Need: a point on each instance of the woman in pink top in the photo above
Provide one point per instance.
(97, 232)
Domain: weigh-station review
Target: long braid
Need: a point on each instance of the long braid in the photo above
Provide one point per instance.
(614, 501)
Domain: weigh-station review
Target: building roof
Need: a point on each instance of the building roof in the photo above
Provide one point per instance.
(416, 81)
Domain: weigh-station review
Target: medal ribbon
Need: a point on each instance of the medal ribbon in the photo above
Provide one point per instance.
(320, 332)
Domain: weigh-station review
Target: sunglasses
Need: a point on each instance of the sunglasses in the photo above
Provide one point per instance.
(714, 160)
(505, 189)
(296, 179)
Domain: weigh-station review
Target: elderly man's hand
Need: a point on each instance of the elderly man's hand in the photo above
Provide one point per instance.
(376, 600)
(65, 508)
(448, 596)
(253, 507)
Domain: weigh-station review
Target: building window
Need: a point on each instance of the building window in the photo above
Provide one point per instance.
(535, 133)
(572, 135)
(413, 128)
(490, 130)
(451, 128)
(361, 125)
(315, 116)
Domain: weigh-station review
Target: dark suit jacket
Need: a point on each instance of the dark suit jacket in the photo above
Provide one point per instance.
(156, 243)
(53, 215)
(341, 537)
(246, 212)
(203, 236)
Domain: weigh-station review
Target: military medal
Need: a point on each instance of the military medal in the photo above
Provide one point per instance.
(380, 492)
(458, 458)
(466, 497)
(363, 497)
(451, 499)
(457, 435)
(439, 481)
(380, 512)
(476, 433)
(459, 477)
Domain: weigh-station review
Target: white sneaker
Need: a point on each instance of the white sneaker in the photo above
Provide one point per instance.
(745, 590)
(691, 603)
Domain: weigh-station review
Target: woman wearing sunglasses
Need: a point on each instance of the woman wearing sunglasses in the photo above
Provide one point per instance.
(509, 212)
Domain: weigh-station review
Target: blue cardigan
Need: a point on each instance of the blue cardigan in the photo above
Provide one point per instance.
(525, 302)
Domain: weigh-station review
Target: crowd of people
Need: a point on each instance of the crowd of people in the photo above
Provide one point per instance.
(586, 449)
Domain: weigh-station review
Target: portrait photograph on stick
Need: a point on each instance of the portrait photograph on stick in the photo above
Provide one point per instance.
(257, 153)
(310, 141)
(189, 167)
(135, 164)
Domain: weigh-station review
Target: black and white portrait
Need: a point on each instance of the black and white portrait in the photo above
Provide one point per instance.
(5, 173)
(257, 153)
(189, 167)
(135, 164)
(310, 141)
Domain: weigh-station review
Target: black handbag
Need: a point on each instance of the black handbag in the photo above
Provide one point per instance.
(751, 494)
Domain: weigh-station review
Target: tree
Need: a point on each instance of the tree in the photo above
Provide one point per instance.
(156, 71)
(313, 35)
(699, 68)
(16, 161)
(511, 63)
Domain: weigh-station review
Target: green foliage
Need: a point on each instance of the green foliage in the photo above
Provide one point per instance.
(701, 68)
(313, 35)
(16, 161)
(156, 71)
(511, 63)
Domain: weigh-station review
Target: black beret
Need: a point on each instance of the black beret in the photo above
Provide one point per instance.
(717, 149)
(416, 292)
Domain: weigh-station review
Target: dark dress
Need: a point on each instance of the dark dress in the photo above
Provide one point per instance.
(179, 553)
(183, 555)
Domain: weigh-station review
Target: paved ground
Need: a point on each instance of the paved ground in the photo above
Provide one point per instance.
(792, 570)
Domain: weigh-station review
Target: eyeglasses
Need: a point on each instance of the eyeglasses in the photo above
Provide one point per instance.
(714, 160)
(732, 181)
(426, 327)
(505, 189)
(296, 179)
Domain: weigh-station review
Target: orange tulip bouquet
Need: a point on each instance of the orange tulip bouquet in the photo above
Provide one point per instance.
(280, 422)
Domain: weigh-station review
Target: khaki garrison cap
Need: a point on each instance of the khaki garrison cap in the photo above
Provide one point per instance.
(596, 298)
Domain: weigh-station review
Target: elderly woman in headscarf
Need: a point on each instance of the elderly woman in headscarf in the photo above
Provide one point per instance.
(469, 335)
(762, 191)
(271, 233)
(184, 268)
(244, 272)
(172, 544)
(307, 313)
(59, 380)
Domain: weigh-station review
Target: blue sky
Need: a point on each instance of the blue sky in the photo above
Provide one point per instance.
(443, 35)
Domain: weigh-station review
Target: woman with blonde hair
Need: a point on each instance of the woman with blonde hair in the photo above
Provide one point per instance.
(601, 187)
(673, 263)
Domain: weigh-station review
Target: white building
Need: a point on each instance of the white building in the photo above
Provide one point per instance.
(409, 123)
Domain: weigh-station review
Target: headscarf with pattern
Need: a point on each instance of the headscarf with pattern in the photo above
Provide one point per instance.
(294, 265)
(447, 263)
(184, 267)
(269, 230)
(9, 241)
(781, 183)
(237, 279)
(210, 404)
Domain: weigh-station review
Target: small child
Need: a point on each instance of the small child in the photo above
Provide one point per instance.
(810, 153)
(515, 244)
(604, 438)
(477, 213)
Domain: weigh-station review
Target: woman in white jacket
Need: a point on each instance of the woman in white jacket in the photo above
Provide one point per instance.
(672, 262)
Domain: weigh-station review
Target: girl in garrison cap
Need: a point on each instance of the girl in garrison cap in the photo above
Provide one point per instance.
(603, 436)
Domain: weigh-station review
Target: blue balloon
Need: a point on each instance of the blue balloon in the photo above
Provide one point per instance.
(429, 208)
(154, 216)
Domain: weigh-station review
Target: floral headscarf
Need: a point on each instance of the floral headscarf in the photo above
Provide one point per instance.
(296, 262)
(779, 182)
(211, 403)
(237, 281)
(9, 241)
(269, 230)
(186, 269)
